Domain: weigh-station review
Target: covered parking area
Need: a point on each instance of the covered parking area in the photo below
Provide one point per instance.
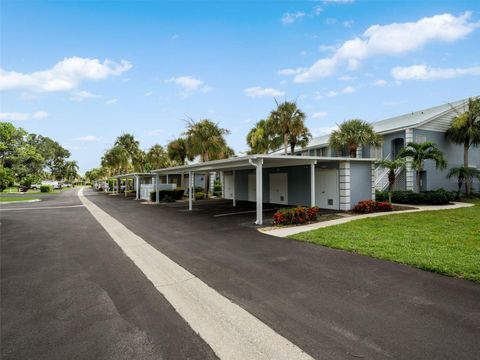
(286, 180)
(137, 180)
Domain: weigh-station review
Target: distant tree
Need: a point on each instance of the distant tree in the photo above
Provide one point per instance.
(261, 139)
(299, 134)
(136, 157)
(157, 157)
(464, 175)
(419, 153)
(71, 171)
(352, 134)
(288, 122)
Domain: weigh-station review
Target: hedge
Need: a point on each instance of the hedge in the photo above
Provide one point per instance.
(298, 215)
(370, 206)
(46, 188)
(434, 197)
(168, 195)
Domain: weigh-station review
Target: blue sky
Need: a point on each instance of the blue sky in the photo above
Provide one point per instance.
(84, 72)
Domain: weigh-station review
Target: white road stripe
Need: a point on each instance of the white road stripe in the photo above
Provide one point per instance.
(231, 332)
(42, 207)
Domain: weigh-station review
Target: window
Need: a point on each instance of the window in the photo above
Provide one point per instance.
(376, 152)
(420, 138)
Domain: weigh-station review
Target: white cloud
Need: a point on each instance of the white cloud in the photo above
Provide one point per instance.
(326, 48)
(346, 78)
(288, 72)
(66, 75)
(424, 72)
(319, 114)
(331, 93)
(17, 116)
(348, 90)
(156, 132)
(380, 82)
(391, 39)
(111, 101)
(148, 93)
(40, 115)
(348, 23)
(88, 138)
(258, 91)
(290, 18)
(83, 95)
(189, 84)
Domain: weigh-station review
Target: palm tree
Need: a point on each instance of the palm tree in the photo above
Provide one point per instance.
(392, 166)
(419, 152)
(299, 134)
(157, 158)
(285, 120)
(117, 159)
(260, 138)
(465, 130)
(177, 151)
(352, 134)
(71, 170)
(465, 175)
(206, 139)
(132, 147)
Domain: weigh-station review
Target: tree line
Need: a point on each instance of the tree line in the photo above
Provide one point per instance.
(27, 158)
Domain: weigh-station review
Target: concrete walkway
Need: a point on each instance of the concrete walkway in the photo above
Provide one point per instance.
(287, 231)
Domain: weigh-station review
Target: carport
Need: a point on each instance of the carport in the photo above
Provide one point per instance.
(287, 175)
(136, 177)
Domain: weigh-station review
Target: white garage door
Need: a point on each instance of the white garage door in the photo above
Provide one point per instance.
(228, 186)
(326, 189)
(279, 188)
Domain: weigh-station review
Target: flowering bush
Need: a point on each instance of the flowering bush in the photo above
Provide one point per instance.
(298, 215)
(369, 206)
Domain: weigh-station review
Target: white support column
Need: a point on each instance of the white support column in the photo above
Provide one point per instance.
(345, 185)
(373, 180)
(222, 184)
(234, 201)
(137, 182)
(167, 178)
(119, 185)
(157, 188)
(259, 180)
(410, 174)
(190, 195)
(312, 184)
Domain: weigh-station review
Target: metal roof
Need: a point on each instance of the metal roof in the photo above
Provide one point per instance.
(121, 176)
(243, 162)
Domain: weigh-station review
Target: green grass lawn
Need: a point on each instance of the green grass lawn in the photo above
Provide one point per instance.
(447, 242)
(15, 198)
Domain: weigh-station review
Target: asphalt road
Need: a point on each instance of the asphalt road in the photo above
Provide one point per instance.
(330, 303)
(68, 291)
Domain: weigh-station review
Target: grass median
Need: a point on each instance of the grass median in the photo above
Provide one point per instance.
(445, 241)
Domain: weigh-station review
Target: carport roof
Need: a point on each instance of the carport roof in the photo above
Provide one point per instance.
(121, 176)
(245, 162)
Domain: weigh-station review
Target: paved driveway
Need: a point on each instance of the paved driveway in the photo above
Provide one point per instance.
(332, 304)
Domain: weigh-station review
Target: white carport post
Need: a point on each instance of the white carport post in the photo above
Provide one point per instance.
(137, 182)
(234, 202)
(167, 178)
(222, 184)
(312, 184)
(119, 185)
(190, 191)
(258, 163)
(157, 188)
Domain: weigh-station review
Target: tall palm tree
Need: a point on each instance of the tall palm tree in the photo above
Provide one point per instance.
(71, 170)
(206, 139)
(177, 151)
(284, 120)
(132, 147)
(419, 152)
(352, 134)
(465, 128)
(464, 175)
(392, 166)
(117, 159)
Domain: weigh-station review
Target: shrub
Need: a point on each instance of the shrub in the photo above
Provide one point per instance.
(168, 195)
(298, 215)
(46, 188)
(199, 195)
(370, 206)
(434, 197)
